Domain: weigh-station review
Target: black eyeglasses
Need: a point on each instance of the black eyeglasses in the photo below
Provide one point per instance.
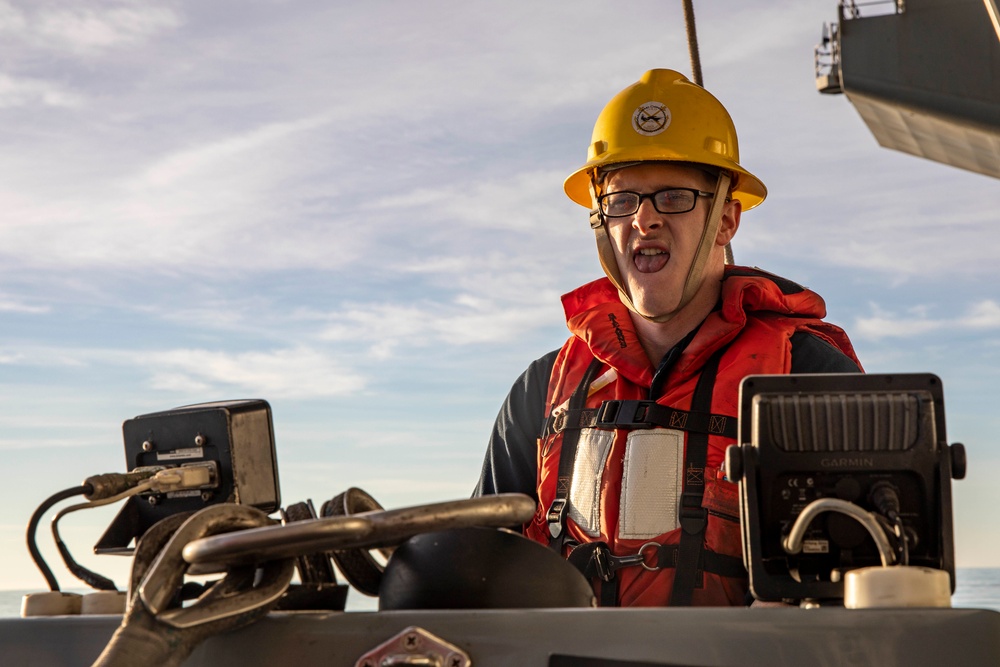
(669, 201)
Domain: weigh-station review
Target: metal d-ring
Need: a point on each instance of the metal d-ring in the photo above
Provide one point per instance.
(655, 545)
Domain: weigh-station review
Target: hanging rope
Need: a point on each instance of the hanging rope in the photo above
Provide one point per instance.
(692, 35)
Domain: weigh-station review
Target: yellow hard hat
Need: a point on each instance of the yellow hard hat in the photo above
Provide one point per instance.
(665, 117)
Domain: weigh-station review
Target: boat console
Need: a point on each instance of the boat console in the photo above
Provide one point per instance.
(845, 493)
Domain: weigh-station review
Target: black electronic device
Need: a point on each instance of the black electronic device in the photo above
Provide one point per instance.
(236, 436)
(849, 437)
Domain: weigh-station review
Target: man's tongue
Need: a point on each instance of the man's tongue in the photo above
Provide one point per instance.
(651, 263)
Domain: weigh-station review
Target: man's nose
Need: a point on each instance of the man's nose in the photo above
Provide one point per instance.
(647, 218)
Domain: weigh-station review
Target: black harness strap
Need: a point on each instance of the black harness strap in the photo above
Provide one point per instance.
(693, 517)
(639, 414)
(556, 516)
(596, 561)
(667, 555)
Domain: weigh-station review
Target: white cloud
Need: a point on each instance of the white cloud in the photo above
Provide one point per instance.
(982, 315)
(221, 155)
(12, 19)
(294, 372)
(876, 327)
(467, 320)
(525, 200)
(224, 205)
(909, 246)
(287, 373)
(22, 92)
(47, 357)
(8, 305)
(36, 443)
(85, 30)
(275, 193)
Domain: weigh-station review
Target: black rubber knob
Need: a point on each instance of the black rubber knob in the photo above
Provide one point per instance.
(958, 460)
(734, 463)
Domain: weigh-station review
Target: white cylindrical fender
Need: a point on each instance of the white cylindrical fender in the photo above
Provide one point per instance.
(50, 603)
(899, 586)
(104, 602)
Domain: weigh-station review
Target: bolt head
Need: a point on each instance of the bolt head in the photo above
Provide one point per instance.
(200, 440)
(147, 446)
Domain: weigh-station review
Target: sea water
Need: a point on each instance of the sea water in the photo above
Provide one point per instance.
(978, 588)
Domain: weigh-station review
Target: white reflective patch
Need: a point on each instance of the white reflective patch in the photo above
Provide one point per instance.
(652, 483)
(588, 467)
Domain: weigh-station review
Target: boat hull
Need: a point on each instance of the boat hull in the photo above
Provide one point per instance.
(592, 637)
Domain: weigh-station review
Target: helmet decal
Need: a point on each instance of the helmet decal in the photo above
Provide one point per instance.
(651, 118)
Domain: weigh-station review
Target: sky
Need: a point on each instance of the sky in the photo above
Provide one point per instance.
(355, 211)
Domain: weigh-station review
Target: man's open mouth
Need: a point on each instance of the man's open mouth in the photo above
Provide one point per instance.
(650, 260)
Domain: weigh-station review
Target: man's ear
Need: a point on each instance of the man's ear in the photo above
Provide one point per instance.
(729, 223)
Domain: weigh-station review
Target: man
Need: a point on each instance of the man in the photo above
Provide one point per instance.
(620, 435)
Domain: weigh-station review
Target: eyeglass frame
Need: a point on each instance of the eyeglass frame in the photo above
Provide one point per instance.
(651, 196)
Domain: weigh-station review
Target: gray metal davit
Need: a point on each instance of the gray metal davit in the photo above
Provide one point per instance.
(923, 74)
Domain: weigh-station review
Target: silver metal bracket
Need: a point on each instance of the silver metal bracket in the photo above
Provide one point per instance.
(415, 646)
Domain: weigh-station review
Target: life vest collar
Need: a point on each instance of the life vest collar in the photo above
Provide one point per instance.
(596, 315)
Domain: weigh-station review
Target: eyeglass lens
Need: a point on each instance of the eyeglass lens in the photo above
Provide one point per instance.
(620, 204)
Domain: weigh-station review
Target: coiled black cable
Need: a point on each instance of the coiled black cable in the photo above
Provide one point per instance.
(36, 555)
(89, 577)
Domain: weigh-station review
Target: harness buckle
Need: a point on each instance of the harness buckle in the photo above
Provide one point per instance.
(607, 564)
(555, 516)
(559, 421)
(624, 414)
(693, 517)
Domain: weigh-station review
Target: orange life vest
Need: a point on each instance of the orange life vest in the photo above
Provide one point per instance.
(623, 492)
